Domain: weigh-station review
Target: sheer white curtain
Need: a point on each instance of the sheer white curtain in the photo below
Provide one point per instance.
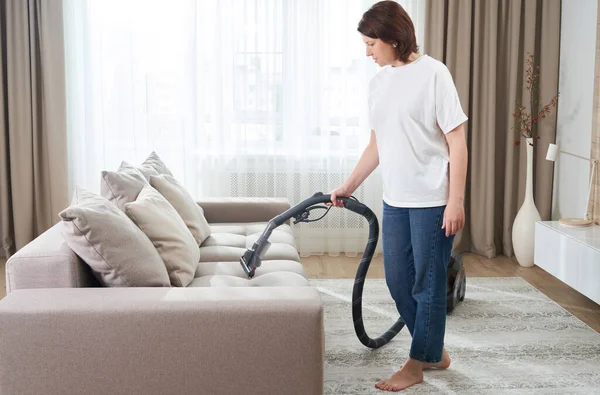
(239, 98)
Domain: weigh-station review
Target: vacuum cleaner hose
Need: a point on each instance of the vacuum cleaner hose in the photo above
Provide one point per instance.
(361, 275)
(251, 259)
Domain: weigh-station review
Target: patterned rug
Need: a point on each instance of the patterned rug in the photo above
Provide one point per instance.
(506, 337)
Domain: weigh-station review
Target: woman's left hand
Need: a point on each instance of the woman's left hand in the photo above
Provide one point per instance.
(454, 218)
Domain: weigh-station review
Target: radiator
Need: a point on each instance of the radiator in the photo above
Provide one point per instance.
(297, 187)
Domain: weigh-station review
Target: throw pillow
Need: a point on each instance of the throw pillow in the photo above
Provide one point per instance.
(155, 216)
(155, 162)
(146, 170)
(121, 186)
(191, 213)
(117, 251)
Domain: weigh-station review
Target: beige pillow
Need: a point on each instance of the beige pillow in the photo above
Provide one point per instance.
(117, 251)
(146, 170)
(122, 186)
(191, 213)
(155, 216)
(155, 162)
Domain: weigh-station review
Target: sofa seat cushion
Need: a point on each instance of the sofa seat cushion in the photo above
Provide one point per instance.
(234, 268)
(226, 253)
(228, 242)
(273, 279)
(253, 230)
(220, 257)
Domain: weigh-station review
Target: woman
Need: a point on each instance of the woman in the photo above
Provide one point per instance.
(418, 138)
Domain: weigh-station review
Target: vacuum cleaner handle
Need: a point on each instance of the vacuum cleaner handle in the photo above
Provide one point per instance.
(319, 197)
(253, 256)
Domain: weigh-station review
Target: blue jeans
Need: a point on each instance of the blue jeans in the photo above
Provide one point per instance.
(416, 252)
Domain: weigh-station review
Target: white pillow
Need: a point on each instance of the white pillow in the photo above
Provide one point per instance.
(121, 186)
(191, 213)
(154, 161)
(146, 170)
(175, 244)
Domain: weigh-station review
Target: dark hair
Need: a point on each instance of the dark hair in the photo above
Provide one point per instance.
(389, 22)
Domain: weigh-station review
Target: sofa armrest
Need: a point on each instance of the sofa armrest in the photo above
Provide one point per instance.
(242, 209)
(47, 262)
(162, 341)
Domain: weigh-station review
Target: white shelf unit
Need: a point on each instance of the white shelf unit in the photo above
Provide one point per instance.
(571, 254)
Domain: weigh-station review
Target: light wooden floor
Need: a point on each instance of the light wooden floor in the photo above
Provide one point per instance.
(475, 266)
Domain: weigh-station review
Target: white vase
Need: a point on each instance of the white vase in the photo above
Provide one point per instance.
(523, 231)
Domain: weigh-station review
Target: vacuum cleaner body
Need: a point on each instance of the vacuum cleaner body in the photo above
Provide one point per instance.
(252, 258)
(457, 282)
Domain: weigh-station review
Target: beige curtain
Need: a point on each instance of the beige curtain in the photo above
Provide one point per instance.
(33, 145)
(484, 43)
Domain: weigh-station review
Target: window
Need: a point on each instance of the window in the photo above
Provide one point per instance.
(239, 97)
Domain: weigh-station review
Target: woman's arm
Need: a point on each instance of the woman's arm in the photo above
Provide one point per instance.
(454, 216)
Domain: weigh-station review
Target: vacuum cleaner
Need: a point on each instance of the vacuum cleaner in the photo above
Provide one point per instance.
(252, 258)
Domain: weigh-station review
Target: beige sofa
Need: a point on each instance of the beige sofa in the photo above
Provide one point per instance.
(63, 333)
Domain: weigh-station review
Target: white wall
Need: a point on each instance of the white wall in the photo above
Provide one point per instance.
(574, 129)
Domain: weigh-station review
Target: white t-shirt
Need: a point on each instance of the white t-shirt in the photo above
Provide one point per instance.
(411, 108)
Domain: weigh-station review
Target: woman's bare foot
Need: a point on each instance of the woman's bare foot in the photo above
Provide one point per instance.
(410, 374)
(443, 364)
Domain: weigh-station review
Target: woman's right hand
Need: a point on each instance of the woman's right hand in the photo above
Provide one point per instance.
(341, 191)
